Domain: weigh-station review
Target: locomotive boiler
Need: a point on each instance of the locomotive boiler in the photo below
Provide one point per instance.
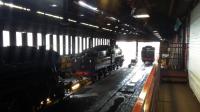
(98, 61)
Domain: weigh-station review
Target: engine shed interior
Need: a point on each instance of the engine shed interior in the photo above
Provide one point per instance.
(99, 55)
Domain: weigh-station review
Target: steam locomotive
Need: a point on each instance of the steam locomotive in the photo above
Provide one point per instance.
(98, 61)
(148, 54)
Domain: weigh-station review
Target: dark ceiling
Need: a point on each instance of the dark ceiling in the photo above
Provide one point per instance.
(163, 14)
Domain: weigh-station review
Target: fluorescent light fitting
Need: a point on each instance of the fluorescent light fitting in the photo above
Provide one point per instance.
(159, 36)
(116, 27)
(81, 15)
(49, 15)
(39, 12)
(108, 24)
(155, 31)
(122, 29)
(28, 10)
(126, 25)
(71, 20)
(83, 4)
(107, 29)
(14, 6)
(54, 5)
(112, 18)
(1, 3)
(141, 16)
(53, 16)
(90, 25)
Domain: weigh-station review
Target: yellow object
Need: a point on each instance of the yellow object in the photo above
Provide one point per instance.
(75, 86)
(66, 62)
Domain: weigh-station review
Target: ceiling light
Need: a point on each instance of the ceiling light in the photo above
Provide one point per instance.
(124, 33)
(116, 27)
(127, 30)
(106, 29)
(122, 29)
(49, 15)
(90, 25)
(71, 20)
(83, 4)
(1, 3)
(108, 24)
(126, 25)
(39, 12)
(141, 16)
(112, 19)
(54, 16)
(155, 31)
(82, 15)
(14, 6)
(54, 5)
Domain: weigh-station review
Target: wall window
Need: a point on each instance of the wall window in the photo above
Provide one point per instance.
(30, 39)
(71, 45)
(47, 41)
(84, 43)
(66, 44)
(55, 42)
(18, 39)
(93, 42)
(76, 45)
(96, 41)
(39, 40)
(80, 44)
(6, 38)
(61, 44)
(88, 42)
(108, 42)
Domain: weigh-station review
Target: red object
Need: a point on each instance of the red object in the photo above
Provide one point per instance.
(148, 95)
(84, 73)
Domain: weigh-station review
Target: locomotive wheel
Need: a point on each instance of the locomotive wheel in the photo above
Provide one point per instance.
(117, 67)
(98, 77)
(104, 72)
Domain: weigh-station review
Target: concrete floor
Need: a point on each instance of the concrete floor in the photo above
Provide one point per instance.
(177, 97)
(92, 97)
(105, 95)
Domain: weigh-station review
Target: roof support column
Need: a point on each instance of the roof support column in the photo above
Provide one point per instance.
(1, 36)
(136, 49)
(13, 37)
(24, 39)
(35, 39)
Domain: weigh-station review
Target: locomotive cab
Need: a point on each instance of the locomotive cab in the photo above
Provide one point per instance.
(148, 55)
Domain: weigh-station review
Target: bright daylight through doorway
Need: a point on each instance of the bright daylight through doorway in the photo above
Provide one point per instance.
(129, 50)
